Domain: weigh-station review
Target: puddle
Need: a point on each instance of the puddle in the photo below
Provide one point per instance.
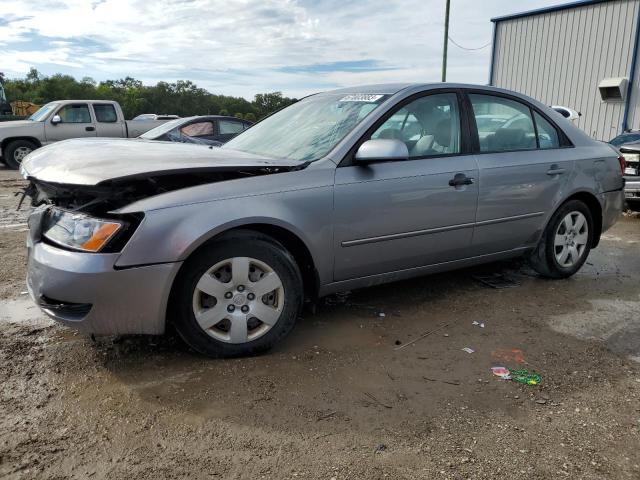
(22, 311)
(615, 322)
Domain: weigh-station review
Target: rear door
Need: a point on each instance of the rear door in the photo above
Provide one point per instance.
(524, 169)
(398, 215)
(107, 122)
(76, 121)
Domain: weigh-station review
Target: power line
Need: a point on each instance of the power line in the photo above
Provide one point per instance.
(465, 48)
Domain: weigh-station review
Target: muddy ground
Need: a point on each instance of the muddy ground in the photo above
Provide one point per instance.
(336, 400)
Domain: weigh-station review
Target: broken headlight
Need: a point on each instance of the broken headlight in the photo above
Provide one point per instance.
(79, 231)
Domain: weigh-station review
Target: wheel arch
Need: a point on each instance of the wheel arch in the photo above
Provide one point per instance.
(592, 202)
(6, 141)
(285, 237)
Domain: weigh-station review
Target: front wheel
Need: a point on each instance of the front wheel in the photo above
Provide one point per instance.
(238, 296)
(566, 242)
(16, 151)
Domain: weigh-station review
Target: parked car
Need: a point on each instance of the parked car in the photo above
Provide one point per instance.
(326, 195)
(208, 130)
(66, 119)
(631, 152)
(154, 116)
(567, 112)
(626, 137)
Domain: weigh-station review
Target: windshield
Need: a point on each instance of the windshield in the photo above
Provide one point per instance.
(308, 129)
(43, 112)
(162, 129)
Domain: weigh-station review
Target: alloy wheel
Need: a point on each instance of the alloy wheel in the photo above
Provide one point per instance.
(21, 152)
(238, 300)
(571, 239)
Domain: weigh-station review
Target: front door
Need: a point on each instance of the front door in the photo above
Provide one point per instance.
(398, 215)
(75, 122)
(523, 171)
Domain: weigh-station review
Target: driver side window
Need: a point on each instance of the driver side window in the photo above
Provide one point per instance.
(429, 126)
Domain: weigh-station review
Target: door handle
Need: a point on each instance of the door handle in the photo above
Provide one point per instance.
(89, 129)
(555, 171)
(460, 179)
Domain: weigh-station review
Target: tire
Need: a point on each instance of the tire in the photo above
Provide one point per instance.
(574, 242)
(15, 152)
(204, 320)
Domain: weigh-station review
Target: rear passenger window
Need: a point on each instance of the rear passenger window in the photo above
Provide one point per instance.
(105, 113)
(230, 127)
(547, 134)
(503, 125)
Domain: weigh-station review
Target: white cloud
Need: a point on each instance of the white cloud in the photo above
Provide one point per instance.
(242, 47)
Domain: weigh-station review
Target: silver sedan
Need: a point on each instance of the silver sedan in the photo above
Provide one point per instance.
(341, 190)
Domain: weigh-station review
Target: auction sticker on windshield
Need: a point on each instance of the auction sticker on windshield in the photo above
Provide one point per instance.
(361, 97)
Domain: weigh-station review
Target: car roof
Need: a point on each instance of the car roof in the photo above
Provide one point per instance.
(393, 88)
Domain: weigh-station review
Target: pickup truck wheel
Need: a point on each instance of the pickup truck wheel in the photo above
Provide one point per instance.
(566, 242)
(238, 296)
(15, 152)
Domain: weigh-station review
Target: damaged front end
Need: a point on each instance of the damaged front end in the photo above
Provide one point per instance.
(85, 217)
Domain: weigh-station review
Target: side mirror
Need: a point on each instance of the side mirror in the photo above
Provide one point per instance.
(567, 112)
(56, 119)
(381, 149)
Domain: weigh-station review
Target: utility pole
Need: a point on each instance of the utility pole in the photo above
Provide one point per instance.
(446, 42)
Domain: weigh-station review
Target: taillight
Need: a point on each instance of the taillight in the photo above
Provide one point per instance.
(623, 163)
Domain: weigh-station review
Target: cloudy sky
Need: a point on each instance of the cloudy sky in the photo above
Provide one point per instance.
(241, 47)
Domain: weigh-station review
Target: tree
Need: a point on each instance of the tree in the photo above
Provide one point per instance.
(182, 98)
(267, 103)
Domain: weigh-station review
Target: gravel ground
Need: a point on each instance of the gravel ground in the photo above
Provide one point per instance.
(336, 400)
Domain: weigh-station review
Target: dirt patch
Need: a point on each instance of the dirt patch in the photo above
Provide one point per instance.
(336, 399)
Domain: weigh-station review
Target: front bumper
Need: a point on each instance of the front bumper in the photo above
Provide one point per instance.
(85, 291)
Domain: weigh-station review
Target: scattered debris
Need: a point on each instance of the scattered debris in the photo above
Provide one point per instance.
(375, 400)
(506, 355)
(381, 314)
(496, 280)
(468, 350)
(421, 336)
(475, 322)
(445, 335)
(328, 415)
(541, 401)
(380, 448)
(525, 377)
(502, 372)
(398, 342)
(449, 382)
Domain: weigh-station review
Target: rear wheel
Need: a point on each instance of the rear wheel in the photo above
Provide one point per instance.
(238, 296)
(16, 151)
(566, 242)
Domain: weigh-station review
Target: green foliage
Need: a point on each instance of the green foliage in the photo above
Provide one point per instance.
(183, 98)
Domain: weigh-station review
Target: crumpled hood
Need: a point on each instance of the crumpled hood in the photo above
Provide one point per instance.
(96, 160)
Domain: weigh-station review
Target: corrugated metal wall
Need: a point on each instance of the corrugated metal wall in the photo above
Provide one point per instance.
(560, 58)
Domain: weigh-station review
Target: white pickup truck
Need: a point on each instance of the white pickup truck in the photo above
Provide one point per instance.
(66, 119)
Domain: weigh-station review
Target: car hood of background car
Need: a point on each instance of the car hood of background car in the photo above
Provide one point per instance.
(94, 161)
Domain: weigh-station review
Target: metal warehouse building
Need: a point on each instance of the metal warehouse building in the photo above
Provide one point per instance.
(583, 55)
